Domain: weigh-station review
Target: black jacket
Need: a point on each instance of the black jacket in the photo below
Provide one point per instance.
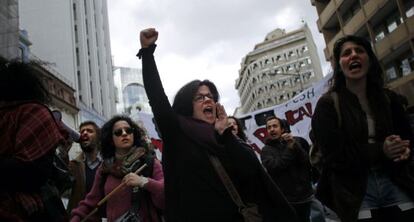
(193, 190)
(346, 153)
(289, 168)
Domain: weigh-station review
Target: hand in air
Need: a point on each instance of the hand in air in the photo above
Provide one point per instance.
(221, 121)
(148, 37)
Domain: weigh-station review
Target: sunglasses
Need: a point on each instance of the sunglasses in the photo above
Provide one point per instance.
(127, 130)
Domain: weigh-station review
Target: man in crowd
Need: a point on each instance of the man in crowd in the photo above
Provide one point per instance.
(288, 165)
(84, 166)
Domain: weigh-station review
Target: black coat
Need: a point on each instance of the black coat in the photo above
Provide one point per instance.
(289, 168)
(346, 153)
(193, 190)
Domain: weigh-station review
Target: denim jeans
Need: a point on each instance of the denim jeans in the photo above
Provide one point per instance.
(382, 193)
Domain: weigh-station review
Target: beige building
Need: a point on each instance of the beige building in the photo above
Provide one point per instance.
(278, 68)
(388, 24)
(9, 29)
(73, 35)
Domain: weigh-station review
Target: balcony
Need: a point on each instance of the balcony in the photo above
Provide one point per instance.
(355, 23)
(371, 7)
(327, 14)
(394, 39)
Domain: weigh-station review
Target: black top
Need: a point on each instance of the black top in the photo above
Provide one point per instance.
(346, 153)
(193, 190)
(289, 168)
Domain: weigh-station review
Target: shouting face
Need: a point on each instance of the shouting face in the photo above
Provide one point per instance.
(274, 129)
(88, 138)
(354, 61)
(204, 107)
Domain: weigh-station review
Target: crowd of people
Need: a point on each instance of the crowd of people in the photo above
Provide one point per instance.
(208, 171)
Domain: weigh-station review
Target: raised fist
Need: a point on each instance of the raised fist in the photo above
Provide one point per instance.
(148, 37)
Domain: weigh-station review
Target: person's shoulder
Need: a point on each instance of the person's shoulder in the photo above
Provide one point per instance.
(34, 108)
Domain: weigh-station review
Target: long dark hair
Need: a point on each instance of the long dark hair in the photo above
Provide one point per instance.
(374, 85)
(22, 82)
(375, 80)
(240, 131)
(183, 101)
(107, 143)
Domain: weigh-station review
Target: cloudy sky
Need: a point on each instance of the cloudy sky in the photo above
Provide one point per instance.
(204, 39)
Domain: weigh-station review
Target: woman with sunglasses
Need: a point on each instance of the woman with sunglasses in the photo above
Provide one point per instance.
(195, 129)
(124, 150)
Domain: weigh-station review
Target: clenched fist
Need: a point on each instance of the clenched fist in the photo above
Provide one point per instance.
(148, 37)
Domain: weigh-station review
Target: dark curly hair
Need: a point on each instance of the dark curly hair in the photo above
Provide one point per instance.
(21, 81)
(183, 101)
(107, 144)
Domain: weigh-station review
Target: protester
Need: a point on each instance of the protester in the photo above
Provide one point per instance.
(365, 145)
(29, 136)
(288, 165)
(124, 150)
(194, 130)
(237, 128)
(85, 165)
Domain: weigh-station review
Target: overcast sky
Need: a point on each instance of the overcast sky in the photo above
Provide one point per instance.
(204, 39)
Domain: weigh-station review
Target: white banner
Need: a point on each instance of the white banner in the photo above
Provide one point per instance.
(297, 111)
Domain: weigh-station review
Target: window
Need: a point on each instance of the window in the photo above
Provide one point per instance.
(349, 13)
(278, 58)
(391, 73)
(304, 49)
(405, 67)
(393, 21)
(409, 6)
(379, 36)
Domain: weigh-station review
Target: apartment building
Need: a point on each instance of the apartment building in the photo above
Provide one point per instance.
(388, 24)
(278, 69)
(73, 36)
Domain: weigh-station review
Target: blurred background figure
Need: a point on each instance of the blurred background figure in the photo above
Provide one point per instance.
(288, 165)
(29, 136)
(237, 128)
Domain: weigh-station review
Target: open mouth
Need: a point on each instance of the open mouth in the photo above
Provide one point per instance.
(355, 65)
(208, 110)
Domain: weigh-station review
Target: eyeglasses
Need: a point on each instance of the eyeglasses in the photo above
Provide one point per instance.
(202, 98)
(119, 132)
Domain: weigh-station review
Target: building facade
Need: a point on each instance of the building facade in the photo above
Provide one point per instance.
(388, 24)
(9, 29)
(131, 95)
(73, 36)
(278, 69)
